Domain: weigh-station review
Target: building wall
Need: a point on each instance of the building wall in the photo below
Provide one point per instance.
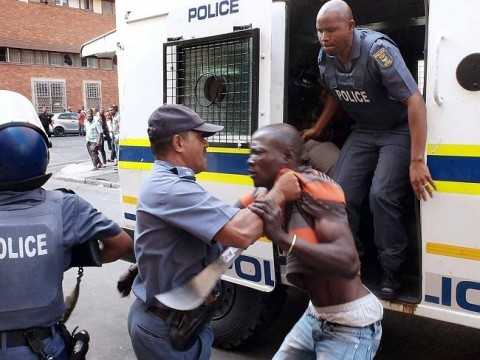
(49, 27)
(36, 26)
(19, 78)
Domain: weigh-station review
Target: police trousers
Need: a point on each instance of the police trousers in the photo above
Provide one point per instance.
(376, 163)
(54, 346)
(150, 341)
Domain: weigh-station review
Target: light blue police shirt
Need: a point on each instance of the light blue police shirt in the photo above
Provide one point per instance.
(176, 223)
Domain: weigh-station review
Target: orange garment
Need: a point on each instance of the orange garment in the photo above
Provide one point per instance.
(321, 196)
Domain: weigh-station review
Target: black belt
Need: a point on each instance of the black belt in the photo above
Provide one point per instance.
(17, 337)
(161, 312)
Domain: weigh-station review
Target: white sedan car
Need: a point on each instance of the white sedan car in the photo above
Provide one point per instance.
(65, 123)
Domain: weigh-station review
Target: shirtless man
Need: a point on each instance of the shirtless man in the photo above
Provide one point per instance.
(343, 318)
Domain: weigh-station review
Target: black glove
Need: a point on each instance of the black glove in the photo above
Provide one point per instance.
(125, 282)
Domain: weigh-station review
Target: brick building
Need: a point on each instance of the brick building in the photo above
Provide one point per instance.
(40, 43)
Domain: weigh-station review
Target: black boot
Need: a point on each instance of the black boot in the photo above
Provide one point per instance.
(389, 286)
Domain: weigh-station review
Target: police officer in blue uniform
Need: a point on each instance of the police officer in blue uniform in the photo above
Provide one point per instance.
(38, 229)
(180, 230)
(366, 75)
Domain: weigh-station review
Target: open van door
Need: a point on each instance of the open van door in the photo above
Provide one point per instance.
(451, 247)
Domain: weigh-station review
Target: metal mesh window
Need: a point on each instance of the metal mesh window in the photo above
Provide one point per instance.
(51, 94)
(15, 55)
(218, 78)
(93, 97)
(41, 58)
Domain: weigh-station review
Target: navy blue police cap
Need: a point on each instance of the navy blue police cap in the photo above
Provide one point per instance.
(171, 119)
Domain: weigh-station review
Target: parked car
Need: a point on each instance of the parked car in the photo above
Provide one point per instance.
(65, 123)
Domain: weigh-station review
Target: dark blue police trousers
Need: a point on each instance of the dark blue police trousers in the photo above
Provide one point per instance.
(376, 163)
(54, 346)
(149, 335)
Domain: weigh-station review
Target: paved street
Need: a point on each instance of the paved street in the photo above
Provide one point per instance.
(103, 313)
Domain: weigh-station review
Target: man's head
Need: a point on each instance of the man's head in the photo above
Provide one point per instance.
(335, 27)
(44, 109)
(177, 134)
(273, 148)
(23, 144)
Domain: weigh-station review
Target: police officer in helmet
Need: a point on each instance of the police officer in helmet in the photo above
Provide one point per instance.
(366, 75)
(38, 230)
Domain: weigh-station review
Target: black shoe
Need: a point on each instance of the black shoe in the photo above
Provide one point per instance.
(389, 287)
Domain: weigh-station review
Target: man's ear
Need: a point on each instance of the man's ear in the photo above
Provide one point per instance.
(352, 24)
(178, 143)
(288, 156)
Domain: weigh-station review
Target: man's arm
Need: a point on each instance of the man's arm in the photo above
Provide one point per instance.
(246, 227)
(116, 247)
(333, 255)
(420, 177)
(331, 106)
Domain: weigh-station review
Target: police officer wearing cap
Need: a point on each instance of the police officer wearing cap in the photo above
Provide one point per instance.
(366, 75)
(38, 232)
(181, 228)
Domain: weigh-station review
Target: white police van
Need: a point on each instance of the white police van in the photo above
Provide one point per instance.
(248, 63)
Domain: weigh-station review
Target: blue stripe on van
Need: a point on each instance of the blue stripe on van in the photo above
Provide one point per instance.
(454, 168)
(217, 162)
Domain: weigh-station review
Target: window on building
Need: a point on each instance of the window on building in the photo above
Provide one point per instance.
(86, 4)
(93, 94)
(41, 58)
(15, 56)
(105, 64)
(76, 61)
(61, 2)
(108, 7)
(27, 57)
(55, 59)
(3, 54)
(49, 93)
(92, 62)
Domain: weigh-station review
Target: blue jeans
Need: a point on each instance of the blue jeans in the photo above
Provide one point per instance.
(318, 339)
(54, 346)
(149, 335)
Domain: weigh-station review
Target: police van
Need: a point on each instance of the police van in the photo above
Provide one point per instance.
(248, 63)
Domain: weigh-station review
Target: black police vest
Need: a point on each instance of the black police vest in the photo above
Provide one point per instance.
(363, 97)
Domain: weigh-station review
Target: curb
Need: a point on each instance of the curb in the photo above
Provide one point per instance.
(104, 183)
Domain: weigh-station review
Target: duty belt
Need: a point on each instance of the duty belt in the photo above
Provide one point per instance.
(161, 312)
(16, 338)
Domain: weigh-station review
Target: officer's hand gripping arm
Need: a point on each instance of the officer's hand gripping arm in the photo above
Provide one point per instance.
(246, 227)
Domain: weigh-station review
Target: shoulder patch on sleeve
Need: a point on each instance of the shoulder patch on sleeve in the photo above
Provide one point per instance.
(383, 57)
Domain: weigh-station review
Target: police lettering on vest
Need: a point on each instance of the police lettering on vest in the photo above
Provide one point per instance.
(23, 247)
(352, 96)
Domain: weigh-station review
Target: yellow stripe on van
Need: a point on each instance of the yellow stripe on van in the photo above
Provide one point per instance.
(130, 200)
(144, 142)
(453, 251)
(454, 150)
(233, 179)
(133, 165)
(225, 178)
(455, 187)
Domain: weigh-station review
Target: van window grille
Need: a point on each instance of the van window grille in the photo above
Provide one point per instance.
(218, 78)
